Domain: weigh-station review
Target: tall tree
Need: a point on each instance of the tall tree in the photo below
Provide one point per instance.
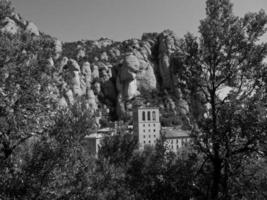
(27, 92)
(226, 66)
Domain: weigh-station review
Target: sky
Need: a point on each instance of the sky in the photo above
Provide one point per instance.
(72, 20)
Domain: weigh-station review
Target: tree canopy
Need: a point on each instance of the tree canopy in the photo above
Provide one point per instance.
(224, 68)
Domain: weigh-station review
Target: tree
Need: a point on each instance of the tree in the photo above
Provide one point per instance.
(109, 175)
(160, 174)
(124, 172)
(224, 68)
(118, 149)
(56, 166)
(27, 93)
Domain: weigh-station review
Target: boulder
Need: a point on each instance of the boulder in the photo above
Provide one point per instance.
(114, 52)
(86, 71)
(62, 103)
(164, 68)
(32, 29)
(63, 63)
(76, 84)
(50, 63)
(73, 65)
(146, 78)
(10, 26)
(104, 56)
(69, 97)
(97, 88)
(167, 46)
(126, 75)
(131, 62)
(58, 49)
(81, 53)
(128, 90)
(95, 72)
(91, 102)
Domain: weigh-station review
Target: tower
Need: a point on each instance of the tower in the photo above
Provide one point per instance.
(147, 126)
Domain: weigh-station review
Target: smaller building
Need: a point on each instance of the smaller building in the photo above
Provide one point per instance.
(175, 138)
(92, 143)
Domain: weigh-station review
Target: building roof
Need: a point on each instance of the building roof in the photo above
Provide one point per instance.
(177, 132)
(105, 130)
(96, 136)
(147, 107)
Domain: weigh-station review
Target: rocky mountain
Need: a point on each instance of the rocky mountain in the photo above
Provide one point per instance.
(112, 77)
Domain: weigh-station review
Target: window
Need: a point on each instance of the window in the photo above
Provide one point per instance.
(144, 125)
(183, 142)
(148, 116)
(149, 125)
(154, 130)
(149, 142)
(154, 115)
(154, 125)
(144, 130)
(144, 136)
(144, 142)
(143, 116)
(149, 136)
(154, 136)
(148, 130)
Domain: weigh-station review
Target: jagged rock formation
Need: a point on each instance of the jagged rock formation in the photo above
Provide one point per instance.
(167, 46)
(112, 75)
(122, 72)
(14, 24)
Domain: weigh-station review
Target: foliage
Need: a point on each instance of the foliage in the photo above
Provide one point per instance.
(27, 94)
(150, 174)
(56, 166)
(6, 9)
(227, 55)
(158, 174)
(118, 149)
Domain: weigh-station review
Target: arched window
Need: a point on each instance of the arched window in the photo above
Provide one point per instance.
(154, 115)
(143, 116)
(148, 115)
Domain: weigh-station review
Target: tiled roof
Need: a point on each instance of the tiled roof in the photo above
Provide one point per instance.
(175, 133)
(147, 107)
(95, 136)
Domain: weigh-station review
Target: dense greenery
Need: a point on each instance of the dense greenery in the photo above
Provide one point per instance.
(41, 146)
(227, 56)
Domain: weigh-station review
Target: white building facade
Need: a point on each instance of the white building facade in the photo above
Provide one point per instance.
(175, 138)
(147, 126)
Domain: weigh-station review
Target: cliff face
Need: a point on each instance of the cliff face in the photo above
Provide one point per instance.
(124, 73)
(113, 76)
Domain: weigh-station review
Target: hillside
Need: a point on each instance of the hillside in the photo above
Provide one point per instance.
(111, 77)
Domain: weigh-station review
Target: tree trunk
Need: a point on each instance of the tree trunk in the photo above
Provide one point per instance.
(216, 161)
(216, 176)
